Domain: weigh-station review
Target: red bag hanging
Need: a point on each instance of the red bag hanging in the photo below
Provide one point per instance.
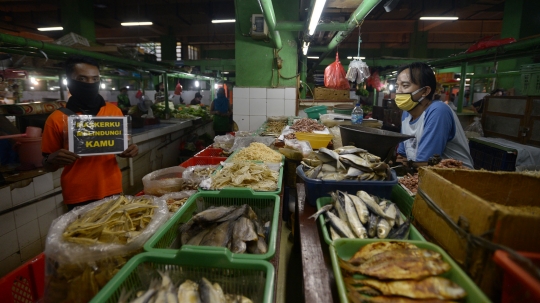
(178, 89)
(139, 94)
(335, 76)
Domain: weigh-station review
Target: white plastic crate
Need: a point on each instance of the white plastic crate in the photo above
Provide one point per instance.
(72, 39)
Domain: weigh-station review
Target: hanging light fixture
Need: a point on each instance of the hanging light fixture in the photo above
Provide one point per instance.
(315, 16)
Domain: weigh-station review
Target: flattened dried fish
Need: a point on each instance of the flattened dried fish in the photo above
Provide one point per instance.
(370, 250)
(219, 236)
(404, 268)
(428, 288)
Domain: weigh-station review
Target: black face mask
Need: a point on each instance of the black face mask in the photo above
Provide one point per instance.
(85, 96)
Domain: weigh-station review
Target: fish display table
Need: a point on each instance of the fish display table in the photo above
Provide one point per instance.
(318, 279)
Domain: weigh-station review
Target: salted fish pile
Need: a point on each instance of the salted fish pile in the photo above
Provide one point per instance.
(189, 291)
(363, 216)
(245, 174)
(398, 272)
(236, 227)
(347, 162)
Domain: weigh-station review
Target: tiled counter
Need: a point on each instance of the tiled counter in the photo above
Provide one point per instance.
(29, 205)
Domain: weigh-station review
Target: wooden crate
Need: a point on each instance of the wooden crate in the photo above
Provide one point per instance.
(323, 93)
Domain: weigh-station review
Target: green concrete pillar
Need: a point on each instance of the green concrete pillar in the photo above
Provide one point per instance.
(520, 20)
(418, 43)
(78, 17)
(168, 48)
(303, 77)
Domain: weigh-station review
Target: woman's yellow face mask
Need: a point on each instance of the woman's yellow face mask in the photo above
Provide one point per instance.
(404, 92)
(406, 102)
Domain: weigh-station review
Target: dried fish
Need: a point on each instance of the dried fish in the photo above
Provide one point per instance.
(246, 174)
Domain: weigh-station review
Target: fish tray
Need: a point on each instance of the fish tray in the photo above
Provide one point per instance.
(202, 161)
(346, 248)
(266, 206)
(316, 188)
(403, 200)
(251, 278)
(26, 283)
(414, 234)
(210, 152)
(277, 191)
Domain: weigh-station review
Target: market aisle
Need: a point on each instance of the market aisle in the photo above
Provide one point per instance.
(284, 258)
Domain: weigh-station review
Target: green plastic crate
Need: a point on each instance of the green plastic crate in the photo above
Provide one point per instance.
(414, 234)
(251, 278)
(346, 248)
(266, 206)
(403, 200)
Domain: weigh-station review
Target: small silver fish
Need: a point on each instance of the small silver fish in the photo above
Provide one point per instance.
(339, 206)
(354, 172)
(354, 220)
(327, 168)
(208, 293)
(237, 299)
(349, 149)
(372, 225)
(391, 212)
(383, 228)
(189, 292)
(372, 204)
(323, 209)
(334, 155)
(341, 227)
(333, 233)
(361, 208)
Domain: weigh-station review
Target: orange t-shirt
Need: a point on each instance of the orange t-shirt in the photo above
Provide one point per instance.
(90, 177)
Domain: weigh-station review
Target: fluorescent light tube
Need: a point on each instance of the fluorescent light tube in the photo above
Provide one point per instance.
(135, 23)
(315, 16)
(313, 57)
(224, 21)
(439, 18)
(361, 58)
(48, 29)
(305, 48)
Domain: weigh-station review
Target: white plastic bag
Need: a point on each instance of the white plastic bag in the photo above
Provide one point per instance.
(224, 142)
(475, 130)
(162, 181)
(170, 199)
(76, 271)
(303, 146)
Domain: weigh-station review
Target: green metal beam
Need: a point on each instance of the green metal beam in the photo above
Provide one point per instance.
(521, 48)
(495, 75)
(291, 26)
(64, 51)
(270, 18)
(355, 20)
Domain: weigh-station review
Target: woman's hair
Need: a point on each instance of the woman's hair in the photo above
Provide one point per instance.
(221, 92)
(422, 75)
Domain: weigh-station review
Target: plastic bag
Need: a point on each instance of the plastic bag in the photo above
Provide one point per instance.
(486, 42)
(224, 142)
(334, 76)
(336, 132)
(178, 89)
(162, 181)
(172, 200)
(303, 146)
(246, 141)
(475, 129)
(199, 172)
(76, 272)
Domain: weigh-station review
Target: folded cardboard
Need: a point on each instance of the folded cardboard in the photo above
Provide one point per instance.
(500, 206)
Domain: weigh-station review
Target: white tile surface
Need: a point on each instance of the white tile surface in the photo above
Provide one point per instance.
(45, 206)
(58, 200)
(58, 173)
(242, 122)
(28, 233)
(257, 93)
(255, 122)
(10, 244)
(56, 183)
(9, 264)
(240, 92)
(23, 194)
(5, 202)
(290, 107)
(241, 106)
(33, 249)
(25, 215)
(257, 107)
(7, 223)
(275, 93)
(45, 221)
(290, 93)
(43, 184)
(60, 210)
(275, 107)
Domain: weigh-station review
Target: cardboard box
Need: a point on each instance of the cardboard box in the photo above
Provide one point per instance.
(323, 93)
(500, 206)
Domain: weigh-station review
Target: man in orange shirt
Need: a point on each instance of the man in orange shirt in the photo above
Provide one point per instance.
(91, 178)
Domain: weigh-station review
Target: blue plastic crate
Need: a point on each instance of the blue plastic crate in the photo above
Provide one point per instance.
(316, 189)
(491, 158)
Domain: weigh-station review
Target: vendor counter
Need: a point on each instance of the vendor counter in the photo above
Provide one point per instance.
(31, 200)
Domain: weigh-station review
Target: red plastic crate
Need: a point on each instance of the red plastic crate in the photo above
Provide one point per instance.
(25, 284)
(203, 161)
(210, 152)
(518, 284)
